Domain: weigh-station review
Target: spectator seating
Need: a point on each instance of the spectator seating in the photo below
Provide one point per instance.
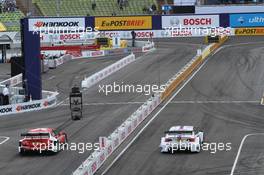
(84, 7)
(11, 20)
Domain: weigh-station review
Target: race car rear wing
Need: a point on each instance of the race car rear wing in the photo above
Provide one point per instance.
(35, 135)
(177, 132)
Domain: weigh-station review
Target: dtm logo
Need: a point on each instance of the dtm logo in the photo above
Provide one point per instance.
(241, 20)
(6, 110)
(39, 24)
(174, 21)
(27, 107)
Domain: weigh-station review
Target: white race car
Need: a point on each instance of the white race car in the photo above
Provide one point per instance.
(181, 138)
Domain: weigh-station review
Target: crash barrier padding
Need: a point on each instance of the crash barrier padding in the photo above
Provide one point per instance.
(95, 78)
(174, 82)
(148, 47)
(53, 63)
(109, 144)
(50, 100)
(13, 81)
(98, 76)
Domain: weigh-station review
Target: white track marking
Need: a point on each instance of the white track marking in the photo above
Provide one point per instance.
(215, 101)
(241, 44)
(240, 148)
(110, 103)
(52, 77)
(155, 116)
(60, 103)
(5, 139)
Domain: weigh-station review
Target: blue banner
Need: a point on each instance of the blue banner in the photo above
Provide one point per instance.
(247, 20)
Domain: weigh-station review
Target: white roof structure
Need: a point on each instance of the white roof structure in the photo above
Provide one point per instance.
(9, 37)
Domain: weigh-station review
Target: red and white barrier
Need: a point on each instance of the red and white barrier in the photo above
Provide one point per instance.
(148, 47)
(95, 78)
(97, 158)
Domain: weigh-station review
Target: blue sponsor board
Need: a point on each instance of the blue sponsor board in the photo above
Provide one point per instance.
(247, 20)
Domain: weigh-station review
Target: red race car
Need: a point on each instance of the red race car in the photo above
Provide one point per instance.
(42, 139)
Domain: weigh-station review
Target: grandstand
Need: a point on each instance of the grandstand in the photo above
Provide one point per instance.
(11, 20)
(85, 7)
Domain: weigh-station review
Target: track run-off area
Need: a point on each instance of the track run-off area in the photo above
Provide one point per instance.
(222, 98)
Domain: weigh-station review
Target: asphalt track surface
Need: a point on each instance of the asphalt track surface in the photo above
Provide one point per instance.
(223, 100)
(102, 114)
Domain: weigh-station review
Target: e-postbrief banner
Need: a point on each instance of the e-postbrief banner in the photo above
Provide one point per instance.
(249, 31)
(247, 20)
(123, 23)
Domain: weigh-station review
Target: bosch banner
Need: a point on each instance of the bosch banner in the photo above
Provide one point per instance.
(190, 21)
(247, 20)
(123, 23)
(249, 31)
(39, 24)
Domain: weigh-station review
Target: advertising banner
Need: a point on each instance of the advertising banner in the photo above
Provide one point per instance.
(56, 24)
(123, 23)
(249, 31)
(28, 106)
(247, 20)
(190, 21)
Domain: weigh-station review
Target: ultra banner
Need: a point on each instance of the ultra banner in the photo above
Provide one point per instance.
(247, 20)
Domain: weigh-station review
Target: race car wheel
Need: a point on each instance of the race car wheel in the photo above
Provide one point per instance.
(22, 151)
(66, 138)
(57, 146)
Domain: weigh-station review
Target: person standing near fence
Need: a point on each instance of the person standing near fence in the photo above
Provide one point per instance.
(6, 95)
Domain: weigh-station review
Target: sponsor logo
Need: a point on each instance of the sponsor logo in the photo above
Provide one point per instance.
(70, 37)
(247, 20)
(27, 107)
(56, 24)
(97, 53)
(190, 21)
(121, 23)
(249, 31)
(197, 21)
(144, 34)
(6, 110)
